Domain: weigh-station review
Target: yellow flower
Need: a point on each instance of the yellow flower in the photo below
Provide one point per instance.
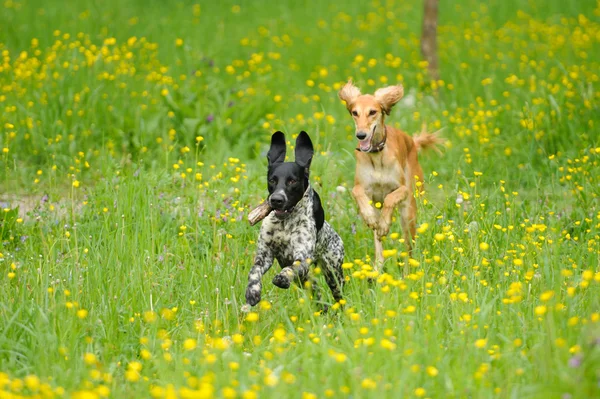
(518, 262)
(389, 252)
(32, 382)
(150, 316)
(132, 375)
(420, 392)
(252, 317)
(157, 392)
(237, 339)
(481, 343)
(249, 395)
(189, 344)
(179, 42)
(540, 310)
(103, 391)
(136, 366)
(432, 371)
(210, 358)
(167, 314)
(368, 383)
(387, 344)
(546, 296)
(89, 358)
(76, 183)
(229, 393)
(271, 380)
(82, 313)
(484, 246)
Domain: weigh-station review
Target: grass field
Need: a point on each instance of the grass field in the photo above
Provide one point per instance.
(133, 139)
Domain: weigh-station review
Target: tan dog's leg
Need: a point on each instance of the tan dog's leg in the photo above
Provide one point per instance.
(366, 210)
(378, 251)
(389, 204)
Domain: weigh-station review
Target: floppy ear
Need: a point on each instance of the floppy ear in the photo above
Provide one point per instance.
(389, 96)
(276, 153)
(348, 93)
(304, 151)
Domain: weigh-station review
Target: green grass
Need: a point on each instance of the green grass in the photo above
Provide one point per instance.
(133, 138)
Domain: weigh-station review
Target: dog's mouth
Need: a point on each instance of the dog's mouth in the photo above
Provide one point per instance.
(366, 144)
(283, 213)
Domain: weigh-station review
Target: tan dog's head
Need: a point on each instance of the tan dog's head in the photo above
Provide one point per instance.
(369, 110)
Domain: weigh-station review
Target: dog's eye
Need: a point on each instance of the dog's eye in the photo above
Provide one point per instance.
(372, 112)
(354, 113)
(272, 181)
(291, 181)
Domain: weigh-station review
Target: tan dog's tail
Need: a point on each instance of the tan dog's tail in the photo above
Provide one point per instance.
(425, 140)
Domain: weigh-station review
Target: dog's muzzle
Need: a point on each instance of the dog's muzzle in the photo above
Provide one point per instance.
(277, 202)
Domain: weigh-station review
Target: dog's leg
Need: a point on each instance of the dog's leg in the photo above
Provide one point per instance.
(389, 204)
(378, 251)
(299, 270)
(262, 263)
(310, 283)
(366, 210)
(333, 259)
(335, 279)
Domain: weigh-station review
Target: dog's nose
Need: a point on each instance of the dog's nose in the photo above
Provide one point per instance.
(361, 135)
(277, 200)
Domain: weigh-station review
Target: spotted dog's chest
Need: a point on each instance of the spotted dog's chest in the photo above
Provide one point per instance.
(290, 237)
(379, 178)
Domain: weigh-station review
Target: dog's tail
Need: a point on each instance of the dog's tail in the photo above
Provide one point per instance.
(425, 140)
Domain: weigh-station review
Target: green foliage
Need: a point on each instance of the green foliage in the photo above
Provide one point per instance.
(133, 137)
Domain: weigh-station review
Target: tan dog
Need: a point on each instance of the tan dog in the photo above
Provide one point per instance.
(387, 167)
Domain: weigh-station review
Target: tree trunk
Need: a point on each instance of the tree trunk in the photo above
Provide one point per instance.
(429, 37)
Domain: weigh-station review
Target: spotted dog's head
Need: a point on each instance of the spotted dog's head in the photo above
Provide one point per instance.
(287, 181)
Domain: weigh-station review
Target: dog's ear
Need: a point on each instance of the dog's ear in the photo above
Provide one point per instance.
(389, 96)
(349, 93)
(276, 153)
(304, 150)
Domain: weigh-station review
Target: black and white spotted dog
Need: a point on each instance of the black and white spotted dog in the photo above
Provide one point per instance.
(295, 232)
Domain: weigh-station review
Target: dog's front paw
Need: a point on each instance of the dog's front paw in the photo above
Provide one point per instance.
(284, 278)
(253, 294)
(383, 228)
(370, 217)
